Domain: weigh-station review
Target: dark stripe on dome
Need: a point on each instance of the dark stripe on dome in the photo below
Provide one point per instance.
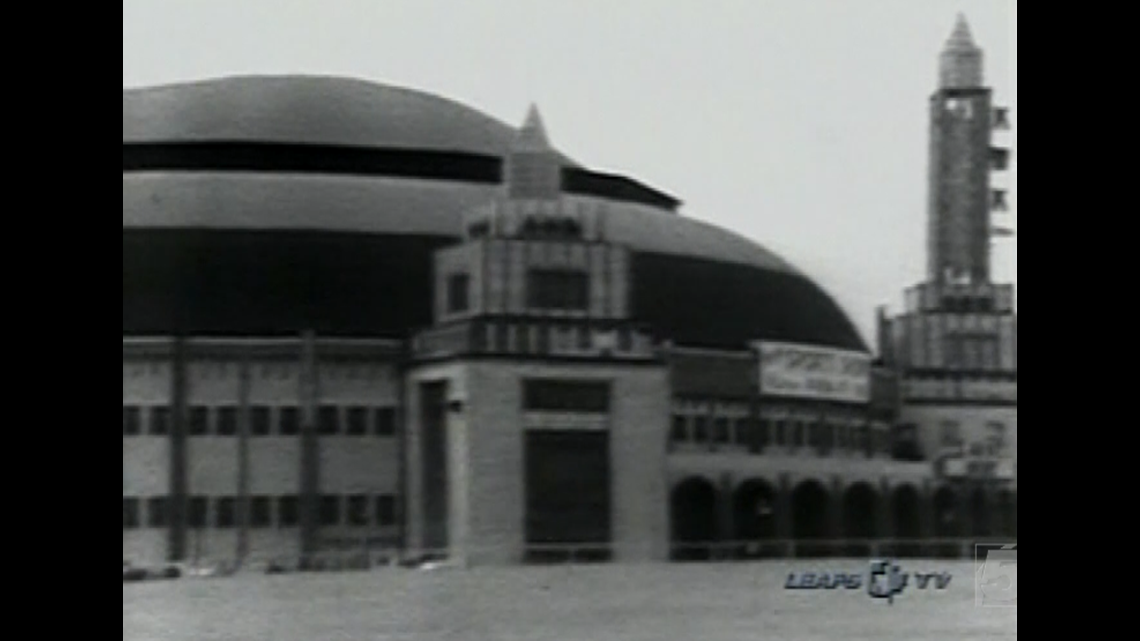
(368, 161)
(277, 283)
(237, 283)
(705, 303)
(304, 158)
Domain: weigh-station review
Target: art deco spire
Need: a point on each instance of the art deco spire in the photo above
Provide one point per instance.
(533, 168)
(960, 38)
(532, 135)
(960, 65)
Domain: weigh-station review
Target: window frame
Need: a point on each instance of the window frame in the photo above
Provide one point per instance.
(458, 293)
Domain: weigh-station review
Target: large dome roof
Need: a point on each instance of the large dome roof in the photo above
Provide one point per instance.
(311, 110)
(190, 228)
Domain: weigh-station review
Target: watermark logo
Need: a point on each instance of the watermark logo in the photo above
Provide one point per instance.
(885, 580)
(995, 575)
(823, 581)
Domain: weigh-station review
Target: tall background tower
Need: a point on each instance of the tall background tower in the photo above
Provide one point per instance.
(961, 122)
(954, 347)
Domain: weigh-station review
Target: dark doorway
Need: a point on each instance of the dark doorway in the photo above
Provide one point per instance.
(692, 507)
(567, 495)
(906, 516)
(947, 524)
(860, 519)
(433, 470)
(810, 504)
(754, 519)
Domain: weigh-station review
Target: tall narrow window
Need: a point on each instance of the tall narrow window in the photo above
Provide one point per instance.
(289, 420)
(385, 509)
(156, 512)
(131, 420)
(720, 430)
(743, 431)
(680, 431)
(260, 515)
(458, 286)
(357, 420)
(357, 510)
(763, 435)
(330, 510)
(700, 428)
(227, 420)
(160, 420)
(199, 421)
(866, 443)
(829, 434)
(385, 421)
(130, 513)
(225, 514)
(199, 508)
(288, 511)
(259, 420)
(328, 420)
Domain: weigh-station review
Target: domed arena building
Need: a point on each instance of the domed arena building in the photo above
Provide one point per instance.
(360, 318)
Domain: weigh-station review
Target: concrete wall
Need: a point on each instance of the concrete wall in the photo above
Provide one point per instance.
(146, 459)
(365, 464)
(485, 440)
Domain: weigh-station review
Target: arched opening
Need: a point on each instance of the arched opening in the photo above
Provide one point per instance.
(906, 517)
(754, 518)
(860, 519)
(980, 518)
(947, 525)
(809, 519)
(692, 508)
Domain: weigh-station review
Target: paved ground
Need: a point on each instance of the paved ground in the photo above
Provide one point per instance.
(677, 602)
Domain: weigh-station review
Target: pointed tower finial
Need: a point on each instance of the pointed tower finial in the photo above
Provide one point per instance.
(533, 168)
(960, 39)
(960, 65)
(532, 135)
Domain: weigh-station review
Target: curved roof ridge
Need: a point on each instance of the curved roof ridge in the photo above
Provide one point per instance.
(292, 78)
(316, 108)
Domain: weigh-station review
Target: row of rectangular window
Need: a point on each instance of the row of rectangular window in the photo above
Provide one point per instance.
(557, 289)
(552, 395)
(546, 289)
(333, 510)
(992, 446)
(223, 420)
(543, 338)
(758, 433)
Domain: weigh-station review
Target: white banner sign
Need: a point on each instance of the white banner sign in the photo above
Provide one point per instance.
(788, 369)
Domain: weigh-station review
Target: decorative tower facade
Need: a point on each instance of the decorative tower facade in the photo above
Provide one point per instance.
(954, 348)
(532, 378)
(959, 165)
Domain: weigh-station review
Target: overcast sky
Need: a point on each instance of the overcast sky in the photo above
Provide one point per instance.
(800, 124)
